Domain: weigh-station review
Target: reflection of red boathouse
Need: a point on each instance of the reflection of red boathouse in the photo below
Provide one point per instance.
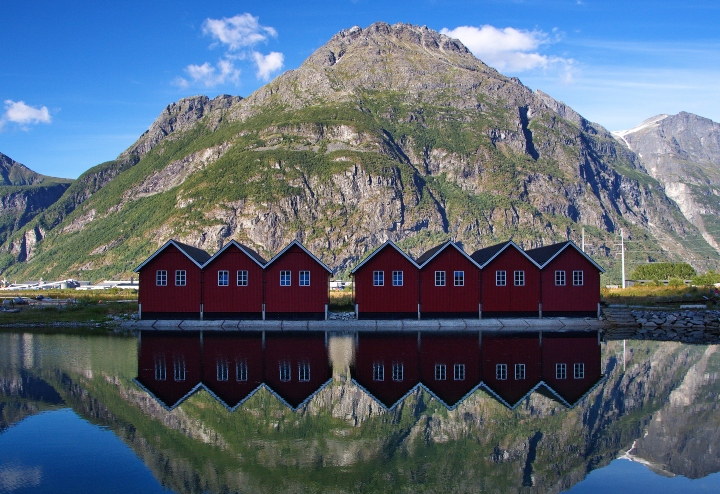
(571, 365)
(511, 365)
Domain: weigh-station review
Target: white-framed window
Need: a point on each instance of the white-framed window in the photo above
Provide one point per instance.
(519, 278)
(161, 277)
(397, 278)
(459, 278)
(378, 371)
(241, 370)
(579, 371)
(559, 278)
(378, 278)
(501, 372)
(439, 278)
(500, 278)
(223, 278)
(303, 372)
(519, 372)
(242, 278)
(304, 278)
(459, 372)
(285, 278)
(160, 368)
(440, 374)
(285, 371)
(223, 369)
(180, 277)
(179, 371)
(398, 371)
(560, 371)
(578, 278)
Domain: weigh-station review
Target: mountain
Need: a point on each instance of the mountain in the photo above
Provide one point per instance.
(23, 195)
(683, 153)
(388, 132)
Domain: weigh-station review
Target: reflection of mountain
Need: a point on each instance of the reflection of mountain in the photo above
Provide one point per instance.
(343, 442)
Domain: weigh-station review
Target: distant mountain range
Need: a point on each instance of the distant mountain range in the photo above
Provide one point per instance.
(392, 132)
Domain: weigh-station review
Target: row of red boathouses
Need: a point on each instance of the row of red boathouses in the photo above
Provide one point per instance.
(183, 282)
(388, 366)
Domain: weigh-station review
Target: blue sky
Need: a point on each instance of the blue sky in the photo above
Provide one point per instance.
(82, 80)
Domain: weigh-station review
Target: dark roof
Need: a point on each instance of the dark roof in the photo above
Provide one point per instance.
(247, 250)
(482, 256)
(198, 255)
(379, 249)
(254, 254)
(427, 255)
(541, 255)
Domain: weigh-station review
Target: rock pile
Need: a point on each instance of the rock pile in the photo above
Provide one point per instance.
(685, 325)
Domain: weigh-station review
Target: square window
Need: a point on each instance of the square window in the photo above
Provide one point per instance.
(440, 372)
(180, 277)
(179, 371)
(223, 370)
(378, 278)
(578, 278)
(519, 372)
(242, 278)
(397, 278)
(459, 372)
(241, 370)
(284, 367)
(439, 278)
(500, 279)
(398, 371)
(378, 371)
(501, 372)
(459, 278)
(559, 278)
(519, 278)
(560, 371)
(304, 278)
(304, 372)
(223, 278)
(285, 278)
(161, 278)
(160, 368)
(579, 371)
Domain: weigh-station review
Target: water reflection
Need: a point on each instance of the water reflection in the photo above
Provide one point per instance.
(661, 411)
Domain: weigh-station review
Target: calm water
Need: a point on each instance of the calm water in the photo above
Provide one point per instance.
(217, 414)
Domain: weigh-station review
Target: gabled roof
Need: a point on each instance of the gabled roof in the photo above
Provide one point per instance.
(435, 251)
(295, 242)
(559, 396)
(483, 257)
(376, 251)
(247, 250)
(544, 255)
(167, 406)
(197, 256)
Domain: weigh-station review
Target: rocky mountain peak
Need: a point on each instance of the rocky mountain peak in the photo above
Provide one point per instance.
(14, 173)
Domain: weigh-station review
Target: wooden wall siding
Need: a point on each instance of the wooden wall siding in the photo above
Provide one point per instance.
(296, 349)
(510, 298)
(169, 346)
(581, 348)
(170, 298)
(387, 348)
(232, 348)
(450, 298)
(387, 298)
(570, 298)
(511, 350)
(295, 298)
(448, 350)
(233, 298)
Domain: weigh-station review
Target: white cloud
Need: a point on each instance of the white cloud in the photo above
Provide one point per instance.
(510, 49)
(237, 32)
(267, 64)
(210, 76)
(20, 113)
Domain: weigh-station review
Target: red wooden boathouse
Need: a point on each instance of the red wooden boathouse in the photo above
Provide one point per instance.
(386, 285)
(170, 282)
(511, 365)
(509, 281)
(233, 283)
(571, 364)
(449, 283)
(297, 285)
(570, 280)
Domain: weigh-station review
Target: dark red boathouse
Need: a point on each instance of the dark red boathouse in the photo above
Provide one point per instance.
(571, 364)
(449, 283)
(511, 365)
(233, 283)
(450, 365)
(170, 282)
(386, 285)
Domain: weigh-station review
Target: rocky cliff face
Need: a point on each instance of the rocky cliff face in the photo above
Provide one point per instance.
(385, 133)
(683, 152)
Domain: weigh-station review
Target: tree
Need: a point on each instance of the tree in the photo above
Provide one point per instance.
(664, 271)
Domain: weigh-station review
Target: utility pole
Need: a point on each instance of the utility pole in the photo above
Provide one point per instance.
(583, 239)
(622, 255)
